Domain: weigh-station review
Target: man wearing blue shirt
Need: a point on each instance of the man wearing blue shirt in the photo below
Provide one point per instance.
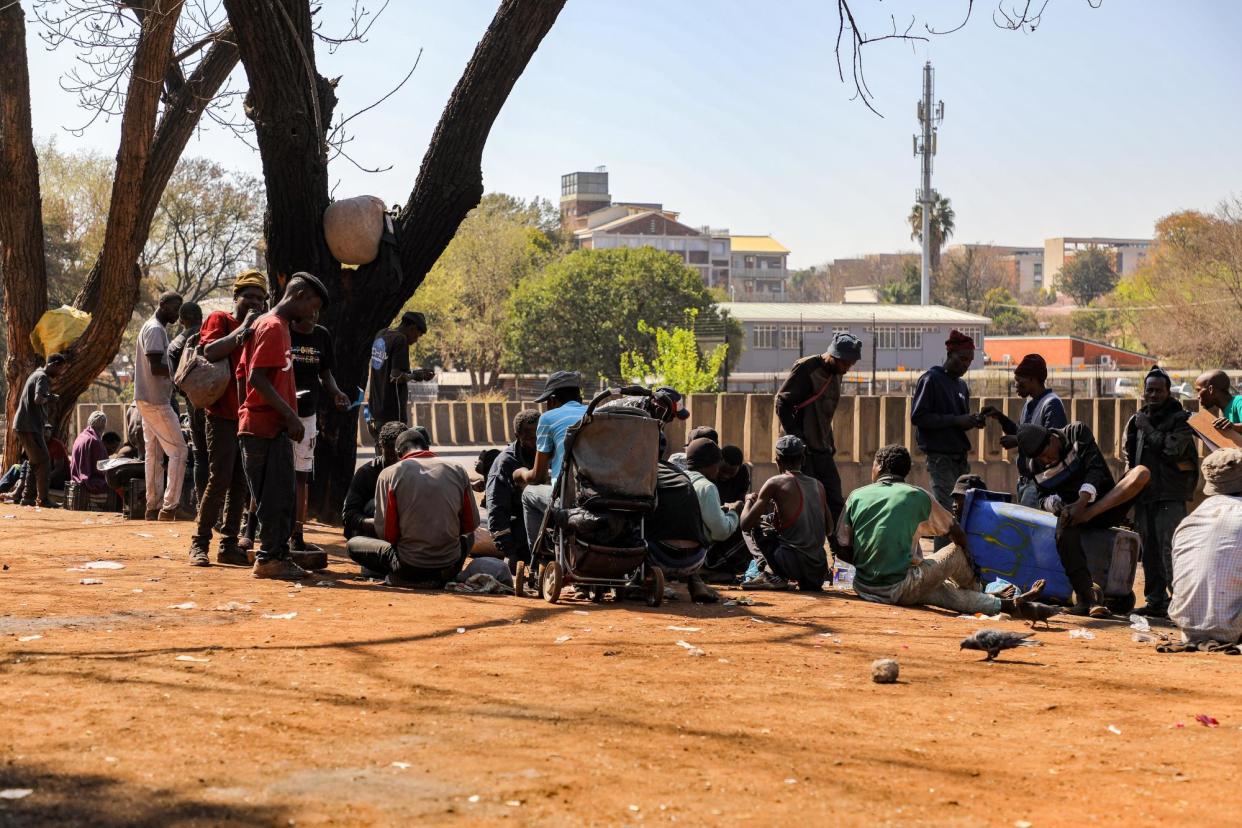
(563, 406)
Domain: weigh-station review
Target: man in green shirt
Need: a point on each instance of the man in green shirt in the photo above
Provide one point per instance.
(1215, 393)
(880, 531)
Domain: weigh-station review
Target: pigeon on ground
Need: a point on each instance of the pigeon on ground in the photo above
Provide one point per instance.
(1037, 613)
(993, 641)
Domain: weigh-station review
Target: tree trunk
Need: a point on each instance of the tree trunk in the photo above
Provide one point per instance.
(22, 265)
(277, 52)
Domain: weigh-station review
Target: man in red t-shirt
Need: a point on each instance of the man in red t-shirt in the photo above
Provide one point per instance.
(268, 423)
(221, 337)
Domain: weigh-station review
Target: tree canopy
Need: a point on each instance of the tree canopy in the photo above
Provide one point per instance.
(1087, 276)
(584, 311)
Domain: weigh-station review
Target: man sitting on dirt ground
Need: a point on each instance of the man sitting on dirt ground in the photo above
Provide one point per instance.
(1207, 557)
(881, 531)
(1076, 485)
(425, 514)
(720, 521)
(502, 498)
(563, 407)
(791, 541)
(678, 458)
(88, 452)
(729, 558)
(358, 511)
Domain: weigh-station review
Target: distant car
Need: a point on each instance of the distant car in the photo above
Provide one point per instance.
(1126, 387)
(1183, 391)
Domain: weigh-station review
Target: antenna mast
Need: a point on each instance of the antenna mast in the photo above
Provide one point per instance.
(930, 117)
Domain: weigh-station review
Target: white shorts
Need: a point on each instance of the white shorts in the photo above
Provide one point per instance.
(304, 451)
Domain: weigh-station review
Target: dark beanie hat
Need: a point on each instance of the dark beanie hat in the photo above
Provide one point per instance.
(1033, 366)
(967, 482)
(1032, 438)
(702, 453)
(1157, 371)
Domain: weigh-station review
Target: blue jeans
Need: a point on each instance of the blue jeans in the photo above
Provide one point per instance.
(268, 463)
(535, 502)
(944, 470)
(676, 563)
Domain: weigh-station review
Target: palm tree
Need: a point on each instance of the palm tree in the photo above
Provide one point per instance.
(941, 224)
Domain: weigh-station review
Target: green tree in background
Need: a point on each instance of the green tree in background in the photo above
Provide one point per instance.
(678, 362)
(465, 297)
(908, 290)
(1007, 318)
(940, 224)
(1088, 275)
(584, 311)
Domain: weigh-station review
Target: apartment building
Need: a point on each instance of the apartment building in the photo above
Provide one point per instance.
(1128, 254)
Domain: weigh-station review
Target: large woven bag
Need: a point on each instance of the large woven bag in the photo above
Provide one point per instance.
(353, 228)
(203, 382)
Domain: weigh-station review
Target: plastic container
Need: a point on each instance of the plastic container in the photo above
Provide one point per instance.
(1019, 544)
(842, 575)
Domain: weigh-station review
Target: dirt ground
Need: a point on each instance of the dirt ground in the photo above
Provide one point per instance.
(382, 706)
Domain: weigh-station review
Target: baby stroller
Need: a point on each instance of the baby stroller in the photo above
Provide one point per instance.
(592, 533)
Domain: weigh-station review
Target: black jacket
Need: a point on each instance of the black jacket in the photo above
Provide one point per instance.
(1081, 462)
(1161, 439)
(361, 493)
(812, 423)
(503, 502)
(939, 397)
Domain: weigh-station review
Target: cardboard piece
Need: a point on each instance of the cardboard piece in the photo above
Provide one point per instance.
(1201, 422)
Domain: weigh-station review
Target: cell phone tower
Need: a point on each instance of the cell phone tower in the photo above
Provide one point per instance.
(930, 117)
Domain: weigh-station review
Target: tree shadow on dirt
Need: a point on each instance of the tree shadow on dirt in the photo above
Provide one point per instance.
(95, 800)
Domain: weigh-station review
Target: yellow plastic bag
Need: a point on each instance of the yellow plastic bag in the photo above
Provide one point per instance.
(58, 329)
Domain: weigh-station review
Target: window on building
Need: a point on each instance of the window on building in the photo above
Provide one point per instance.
(764, 337)
(974, 332)
(885, 337)
(1039, 274)
(791, 338)
(910, 337)
(842, 329)
(698, 257)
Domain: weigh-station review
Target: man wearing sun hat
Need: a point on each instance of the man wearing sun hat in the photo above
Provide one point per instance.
(1207, 557)
(221, 337)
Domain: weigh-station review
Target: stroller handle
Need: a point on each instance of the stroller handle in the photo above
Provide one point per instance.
(610, 393)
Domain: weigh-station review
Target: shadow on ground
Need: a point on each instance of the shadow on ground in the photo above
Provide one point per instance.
(94, 800)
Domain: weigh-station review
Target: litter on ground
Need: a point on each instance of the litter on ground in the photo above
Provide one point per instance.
(185, 605)
(1086, 635)
(192, 658)
(90, 581)
(283, 616)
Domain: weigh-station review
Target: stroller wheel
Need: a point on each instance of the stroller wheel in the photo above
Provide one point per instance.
(519, 579)
(654, 583)
(550, 585)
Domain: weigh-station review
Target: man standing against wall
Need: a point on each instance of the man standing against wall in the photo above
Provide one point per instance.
(805, 406)
(942, 419)
(161, 428)
(1159, 437)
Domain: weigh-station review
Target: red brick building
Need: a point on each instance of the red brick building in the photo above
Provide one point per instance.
(1061, 352)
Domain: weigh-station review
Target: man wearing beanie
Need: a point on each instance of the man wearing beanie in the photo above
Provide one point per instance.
(1207, 557)
(942, 419)
(1075, 484)
(1159, 438)
(1043, 407)
(806, 404)
(221, 337)
(704, 460)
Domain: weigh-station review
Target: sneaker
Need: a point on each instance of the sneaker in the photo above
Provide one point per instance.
(152, 515)
(1153, 611)
(766, 581)
(282, 569)
(50, 505)
(300, 545)
(230, 554)
(167, 515)
(198, 556)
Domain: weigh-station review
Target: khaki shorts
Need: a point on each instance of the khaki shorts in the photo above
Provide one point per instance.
(304, 452)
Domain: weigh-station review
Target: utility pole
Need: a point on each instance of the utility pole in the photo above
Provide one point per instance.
(930, 117)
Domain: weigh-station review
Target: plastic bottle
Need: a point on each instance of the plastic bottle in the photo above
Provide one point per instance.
(842, 575)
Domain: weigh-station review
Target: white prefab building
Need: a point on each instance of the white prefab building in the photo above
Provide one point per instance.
(894, 337)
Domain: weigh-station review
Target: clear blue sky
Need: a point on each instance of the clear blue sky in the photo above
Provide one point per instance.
(731, 112)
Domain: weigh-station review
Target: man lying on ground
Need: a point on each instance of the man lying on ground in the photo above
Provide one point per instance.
(426, 516)
(881, 531)
(358, 511)
(1076, 485)
(1207, 557)
(791, 539)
